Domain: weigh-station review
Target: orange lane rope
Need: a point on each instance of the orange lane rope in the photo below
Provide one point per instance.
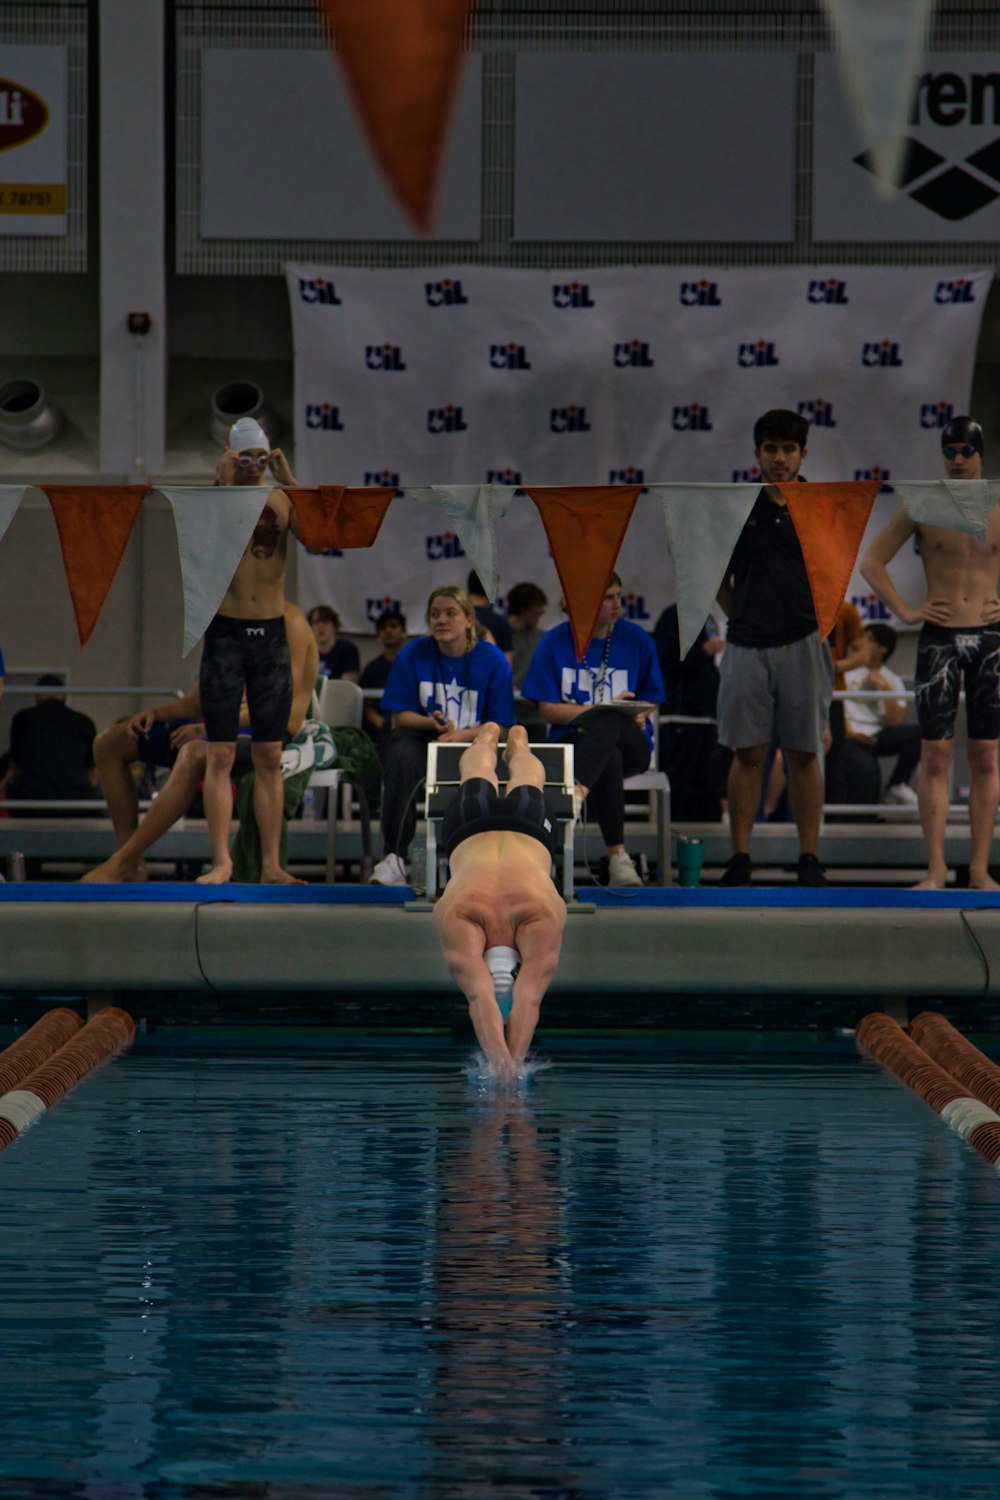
(110, 1032)
(971, 1067)
(38, 1043)
(969, 1116)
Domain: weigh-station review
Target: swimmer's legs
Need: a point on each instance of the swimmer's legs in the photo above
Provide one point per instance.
(480, 759)
(525, 767)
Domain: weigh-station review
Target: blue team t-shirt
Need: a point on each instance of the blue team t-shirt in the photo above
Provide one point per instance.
(557, 675)
(469, 689)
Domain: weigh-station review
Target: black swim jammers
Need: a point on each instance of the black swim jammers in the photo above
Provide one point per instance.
(945, 656)
(246, 653)
(477, 808)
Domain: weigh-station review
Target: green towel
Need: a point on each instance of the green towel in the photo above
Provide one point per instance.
(246, 845)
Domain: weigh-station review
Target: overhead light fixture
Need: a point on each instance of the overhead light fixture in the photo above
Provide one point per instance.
(27, 422)
(243, 398)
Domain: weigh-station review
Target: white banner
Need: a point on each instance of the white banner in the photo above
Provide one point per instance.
(472, 375)
(32, 140)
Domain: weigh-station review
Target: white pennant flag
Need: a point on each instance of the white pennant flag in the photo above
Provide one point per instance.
(214, 524)
(11, 496)
(881, 43)
(958, 504)
(472, 509)
(704, 522)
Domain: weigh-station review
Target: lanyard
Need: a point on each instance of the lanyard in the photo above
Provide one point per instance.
(599, 678)
(462, 687)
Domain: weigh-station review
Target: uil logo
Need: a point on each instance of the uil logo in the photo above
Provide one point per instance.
(699, 294)
(446, 419)
(447, 545)
(631, 475)
(634, 606)
(819, 412)
(572, 294)
(936, 414)
(876, 472)
(383, 479)
(446, 293)
(882, 355)
(509, 357)
(755, 356)
(692, 418)
(832, 293)
(503, 476)
(634, 355)
(568, 419)
(383, 357)
(960, 290)
(376, 607)
(322, 417)
(745, 476)
(870, 607)
(317, 289)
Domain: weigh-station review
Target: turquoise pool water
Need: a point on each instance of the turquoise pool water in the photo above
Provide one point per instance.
(336, 1271)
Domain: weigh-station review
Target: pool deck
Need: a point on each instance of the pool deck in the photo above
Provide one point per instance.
(352, 940)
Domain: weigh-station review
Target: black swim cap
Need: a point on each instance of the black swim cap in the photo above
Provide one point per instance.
(963, 430)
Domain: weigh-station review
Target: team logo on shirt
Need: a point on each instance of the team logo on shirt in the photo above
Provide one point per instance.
(383, 357)
(936, 414)
(446, 419)
(446, 293)
(876, 472)
(818, 413)
(699, 294)
(634, 355)
(572, 294)
(317, 289)
(756, 356)
(322, 417)
(460, 704)
(959, 290)
(882, 355)
(509, 357)
(832, 293)
(568, 419)
(694, 418)
(444, 546)
(576, 684)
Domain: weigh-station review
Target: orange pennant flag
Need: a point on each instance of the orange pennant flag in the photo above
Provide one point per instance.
(339, 516)
(829, 521)
(94, 522)
(402, 65)
(585, 527)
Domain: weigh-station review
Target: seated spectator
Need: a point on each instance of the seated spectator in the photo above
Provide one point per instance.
(491, 619)
(191, 756)
(155, 736)
(690, 753)
(337, 658)
(390, 627)
(52, 749)
(526, 604)
(620, 663)
(875, 727)
(441, 686)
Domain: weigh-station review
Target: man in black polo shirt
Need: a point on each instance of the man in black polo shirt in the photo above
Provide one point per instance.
(776, 677)
(52, 748)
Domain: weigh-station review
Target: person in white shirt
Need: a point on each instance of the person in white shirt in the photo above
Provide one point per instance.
(877, 724)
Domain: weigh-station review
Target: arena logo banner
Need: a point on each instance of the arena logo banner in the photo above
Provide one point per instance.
(32, 140)
(870, 356)
(948, 177)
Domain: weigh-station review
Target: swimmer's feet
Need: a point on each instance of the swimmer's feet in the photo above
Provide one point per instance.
(934, 880)
(220, 874)
(983, 882)
(278, 876)
(517, 739)
(486, 732)
(114, 872)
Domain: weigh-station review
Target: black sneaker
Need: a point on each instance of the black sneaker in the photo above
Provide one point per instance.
(739, 871)
(811, 871)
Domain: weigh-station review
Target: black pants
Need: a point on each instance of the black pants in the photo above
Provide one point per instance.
(607, 749)
(405, 768)
(693, 760)
(856, 777)
(902, 740)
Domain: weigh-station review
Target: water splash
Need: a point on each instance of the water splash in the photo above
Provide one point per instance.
(487, 1083)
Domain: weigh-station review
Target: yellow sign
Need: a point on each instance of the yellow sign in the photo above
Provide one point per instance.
(32, 198)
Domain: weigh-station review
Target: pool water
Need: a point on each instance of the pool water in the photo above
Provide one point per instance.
(342, 1269)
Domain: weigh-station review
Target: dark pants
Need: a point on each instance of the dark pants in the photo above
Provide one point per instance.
(856, 777)
(607, 749)
(692, 758)
(405, 769)
(902, 740)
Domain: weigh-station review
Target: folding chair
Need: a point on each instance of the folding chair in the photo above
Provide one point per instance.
(340, 704)
(443, 779)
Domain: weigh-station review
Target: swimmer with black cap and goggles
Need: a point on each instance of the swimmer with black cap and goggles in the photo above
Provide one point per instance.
(500, 917)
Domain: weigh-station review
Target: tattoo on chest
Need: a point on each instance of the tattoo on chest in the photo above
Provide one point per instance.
(266, 534)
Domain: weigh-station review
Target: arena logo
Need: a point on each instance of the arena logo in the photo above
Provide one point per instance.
(572, 294)
(634, 607)
(746, 476)
(322, 417)
(634, 355)
(936, 414)
(383, 479)
(832, 293)
(317, 289)
(692, 418)
(568, 419)
(376, 607)
(959, 290)
(631, 475)
(882, 355)
(446, 293)
(870, 607)
(23, 114)
(818, 413)
(447, 545)
(756, 356)
(509, 357)
(384, 357)
(503, 476)
(699, 294)
(446, 419)
(876, 472)
(942, 101)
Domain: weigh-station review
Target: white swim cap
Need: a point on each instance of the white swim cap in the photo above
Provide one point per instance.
(504, 964)
(248, 433)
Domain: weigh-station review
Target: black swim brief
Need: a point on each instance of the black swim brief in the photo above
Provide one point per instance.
(948, 659)
(251, 654)
(477, 808)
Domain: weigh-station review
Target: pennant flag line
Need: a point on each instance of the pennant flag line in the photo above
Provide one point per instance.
(213, 528)
(342, 516)
(829, 521)
(585, 526)
(94, 522)
(402, 66)
(11, 496)
(703, 522)
(473, 510)
(956, 504)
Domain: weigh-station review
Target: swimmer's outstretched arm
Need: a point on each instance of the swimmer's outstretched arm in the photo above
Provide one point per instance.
(534, 977)
(476, 983)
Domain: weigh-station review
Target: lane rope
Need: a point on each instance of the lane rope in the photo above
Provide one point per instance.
(38, 1043)
(110, 1032)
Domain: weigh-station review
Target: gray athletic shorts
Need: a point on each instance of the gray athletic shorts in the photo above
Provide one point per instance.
(781, 693)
